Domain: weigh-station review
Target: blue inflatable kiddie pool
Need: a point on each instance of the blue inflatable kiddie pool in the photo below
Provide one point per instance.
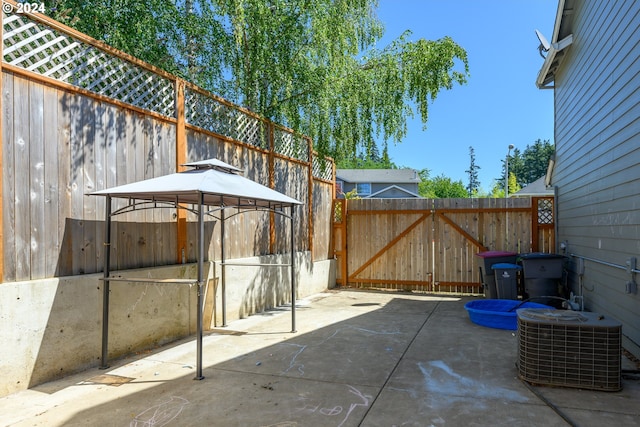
(498, 313)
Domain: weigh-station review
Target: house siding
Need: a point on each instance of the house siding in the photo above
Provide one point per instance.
(597, 172)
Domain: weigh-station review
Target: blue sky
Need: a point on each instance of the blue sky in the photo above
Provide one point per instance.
(500, 104)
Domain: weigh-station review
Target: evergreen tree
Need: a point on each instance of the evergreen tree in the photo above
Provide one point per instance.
(474, 183)
(529, 165)
(367, 160)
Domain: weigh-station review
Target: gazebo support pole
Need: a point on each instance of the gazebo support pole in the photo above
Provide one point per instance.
(199, 375)
(105, 283)
(293, 275)
(223, 278)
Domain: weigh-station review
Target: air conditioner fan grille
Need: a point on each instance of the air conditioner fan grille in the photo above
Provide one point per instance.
(570, 349)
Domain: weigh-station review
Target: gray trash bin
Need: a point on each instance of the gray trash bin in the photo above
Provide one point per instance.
(506, 276)
(542, 273)
(488, 259)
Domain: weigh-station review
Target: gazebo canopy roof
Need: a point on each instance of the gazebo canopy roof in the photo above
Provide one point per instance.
(212, 183)
(217, 181)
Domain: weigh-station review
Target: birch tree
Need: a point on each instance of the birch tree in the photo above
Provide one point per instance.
(312, 65)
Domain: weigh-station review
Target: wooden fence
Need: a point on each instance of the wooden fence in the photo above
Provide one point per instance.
(431, 244)
(79, 116)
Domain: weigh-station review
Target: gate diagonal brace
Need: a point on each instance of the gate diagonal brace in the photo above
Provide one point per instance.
(461, 231)
(389, 245)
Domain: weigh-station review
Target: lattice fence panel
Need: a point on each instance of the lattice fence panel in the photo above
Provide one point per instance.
(545, 211)
(290, 144)
(322, 168)
(210, 114)
(36, 47)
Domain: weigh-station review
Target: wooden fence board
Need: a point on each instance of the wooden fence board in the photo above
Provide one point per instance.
(8, 180)
(22, 179)
(64, 165)
(75, 184)
(51, 239)
(96, 207)
(88, 137)
(35, 173)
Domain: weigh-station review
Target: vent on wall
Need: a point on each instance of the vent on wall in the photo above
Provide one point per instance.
(569, 349)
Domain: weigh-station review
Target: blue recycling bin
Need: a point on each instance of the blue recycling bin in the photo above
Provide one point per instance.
(506, 276)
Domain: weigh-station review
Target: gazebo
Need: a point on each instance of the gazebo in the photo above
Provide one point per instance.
(210, 183)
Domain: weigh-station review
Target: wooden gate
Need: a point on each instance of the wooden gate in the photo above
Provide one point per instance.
(431, 244)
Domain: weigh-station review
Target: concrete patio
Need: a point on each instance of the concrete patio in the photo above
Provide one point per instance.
(358, 359)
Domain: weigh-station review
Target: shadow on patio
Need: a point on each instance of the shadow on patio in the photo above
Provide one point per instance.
(359, 358)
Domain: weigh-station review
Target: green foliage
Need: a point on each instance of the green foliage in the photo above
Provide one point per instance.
(425, 182)
(311, 65)
(513, 183)
(529, 165)
(441, 187)
(497, 189)
(351, 195)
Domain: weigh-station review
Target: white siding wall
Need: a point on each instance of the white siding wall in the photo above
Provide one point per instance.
(597, 173)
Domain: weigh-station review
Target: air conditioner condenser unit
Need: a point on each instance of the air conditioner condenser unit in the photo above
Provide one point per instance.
(570, 349)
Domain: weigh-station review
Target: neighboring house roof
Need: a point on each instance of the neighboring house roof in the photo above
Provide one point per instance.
(395, 189)
(536, 189)
(390, 176)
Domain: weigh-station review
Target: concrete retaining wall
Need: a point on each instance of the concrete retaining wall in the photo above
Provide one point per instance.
(51, 328)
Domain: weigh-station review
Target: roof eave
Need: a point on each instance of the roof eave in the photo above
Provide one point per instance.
(552, 62)
(546, 75)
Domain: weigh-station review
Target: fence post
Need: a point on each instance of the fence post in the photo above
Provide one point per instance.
(310, 195)
(272, 184)
(181, 154)
(340, 206)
